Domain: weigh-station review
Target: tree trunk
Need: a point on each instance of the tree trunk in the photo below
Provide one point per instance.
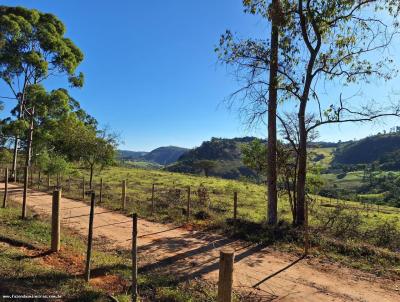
(302, 167)
(14, 163)
(272, 107)
(290, 198)
(16, 145)
(28, 161)
(30, 138)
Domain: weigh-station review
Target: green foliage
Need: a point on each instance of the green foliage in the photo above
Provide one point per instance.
(255, 156)
(205, 165)
(85, 144)
(95, 148)
(52, 163)
(57, 116)
(32, 44)
(385, 186)
(34, 48)
(5, 156)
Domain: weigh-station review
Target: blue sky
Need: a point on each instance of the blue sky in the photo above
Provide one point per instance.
(151, 71)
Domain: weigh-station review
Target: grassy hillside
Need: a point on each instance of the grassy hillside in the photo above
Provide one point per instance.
(367, 150)
(141, 164)
(322, 156)
(379, 179)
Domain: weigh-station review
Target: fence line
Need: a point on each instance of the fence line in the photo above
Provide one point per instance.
(170, 198)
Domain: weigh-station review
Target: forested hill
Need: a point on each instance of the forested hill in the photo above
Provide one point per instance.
(217, 157)
(218, 149)
(368, 150)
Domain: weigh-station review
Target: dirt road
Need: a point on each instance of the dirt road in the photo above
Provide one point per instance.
(194, 254)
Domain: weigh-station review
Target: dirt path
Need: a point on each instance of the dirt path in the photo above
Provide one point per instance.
(194, 254)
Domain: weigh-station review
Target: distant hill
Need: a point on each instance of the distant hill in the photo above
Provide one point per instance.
(165, 155)
(161, 156)
(323, 144)
(367, 150)
(131, 155)
(221, 156)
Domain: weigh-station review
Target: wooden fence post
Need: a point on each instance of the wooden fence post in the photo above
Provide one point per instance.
(188, 205)
(25, 193)
(31, 177)
(134, 257)
(55, 221)
(152, 200)
(90, 238)
(235, 199)
(39, 180)
(225, 280)
(83, 188)
(123, 197)
(5, 189)
(69, 183)
(101, 191)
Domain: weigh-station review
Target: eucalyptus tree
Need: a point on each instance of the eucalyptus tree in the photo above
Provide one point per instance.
(33, 48)
(260, 83)
(340, 41)
(345, 41)
(52, 108)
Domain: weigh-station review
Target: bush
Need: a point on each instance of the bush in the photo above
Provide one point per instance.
(202, 215)
(386, 234)
(340, 223)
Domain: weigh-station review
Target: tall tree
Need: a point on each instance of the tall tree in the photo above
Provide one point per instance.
(321, 42)
(276, 17)
(33, 48)
(339, 39)
(261, 84)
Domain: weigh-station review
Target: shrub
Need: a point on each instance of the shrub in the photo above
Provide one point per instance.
(340, 223)
(386, 234)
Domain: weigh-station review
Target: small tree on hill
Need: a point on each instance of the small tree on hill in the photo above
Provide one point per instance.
(83, 143)
(206, 166)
